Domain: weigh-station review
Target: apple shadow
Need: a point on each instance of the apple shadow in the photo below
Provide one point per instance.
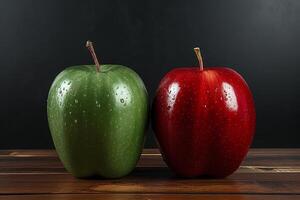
(155, 173)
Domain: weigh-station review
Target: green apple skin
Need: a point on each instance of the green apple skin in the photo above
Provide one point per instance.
(98, 119)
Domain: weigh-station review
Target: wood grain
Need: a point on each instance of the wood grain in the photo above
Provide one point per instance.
(38, 174)
(149, 197)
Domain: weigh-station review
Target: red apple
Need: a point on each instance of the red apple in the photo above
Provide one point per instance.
(204, 120)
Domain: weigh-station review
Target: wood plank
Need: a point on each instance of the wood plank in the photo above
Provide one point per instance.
(258, 160)
(148, 197)
(265, 171)
(51, 153)
(151, 182)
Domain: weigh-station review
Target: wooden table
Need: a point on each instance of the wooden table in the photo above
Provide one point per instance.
(38, 174)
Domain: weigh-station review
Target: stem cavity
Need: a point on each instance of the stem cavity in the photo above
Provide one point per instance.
(90, 47)
(199, 57)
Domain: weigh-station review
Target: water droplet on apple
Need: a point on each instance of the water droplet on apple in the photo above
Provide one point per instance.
(76, 101)
(122, 100)
(75, 121)
(205, 106)
(70, 113)
(69, 83)
(169, 107)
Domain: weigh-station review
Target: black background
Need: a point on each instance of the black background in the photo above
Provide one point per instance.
(258, 38)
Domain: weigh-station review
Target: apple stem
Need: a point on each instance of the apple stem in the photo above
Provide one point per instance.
(90, 47)
(199, 57)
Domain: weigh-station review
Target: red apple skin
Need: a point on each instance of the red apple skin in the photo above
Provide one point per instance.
(204, 120)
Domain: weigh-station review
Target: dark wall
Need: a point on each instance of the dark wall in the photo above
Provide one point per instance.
(258, 38)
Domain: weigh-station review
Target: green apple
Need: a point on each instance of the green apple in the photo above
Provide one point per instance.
(97, 116)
